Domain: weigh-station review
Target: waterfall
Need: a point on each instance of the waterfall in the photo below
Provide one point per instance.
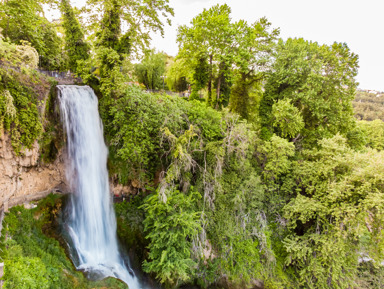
(92, 223)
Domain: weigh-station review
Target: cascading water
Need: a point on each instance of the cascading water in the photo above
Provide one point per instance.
(92, 224)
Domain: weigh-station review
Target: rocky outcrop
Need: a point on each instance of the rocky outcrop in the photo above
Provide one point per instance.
(23, 178)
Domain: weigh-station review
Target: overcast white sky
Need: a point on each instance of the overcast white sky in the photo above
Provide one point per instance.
(358, 23)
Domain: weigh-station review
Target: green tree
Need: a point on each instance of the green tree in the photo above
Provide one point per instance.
(151, 70)
(214, 48)
(374, 133)
(335, 213)
(255, 46)
(200, 74)
(75, 45)
(170, 227)
(140, 17)
(287, 118)
(24, 21)
(208, 40)
(177, 75)
(320, 82)
(111, 46)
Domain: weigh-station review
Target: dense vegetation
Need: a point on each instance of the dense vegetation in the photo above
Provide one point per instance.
(247, 208)
(20, 95)
(263, 177)
(34, 260)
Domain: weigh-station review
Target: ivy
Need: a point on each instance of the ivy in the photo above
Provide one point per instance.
(18, 111)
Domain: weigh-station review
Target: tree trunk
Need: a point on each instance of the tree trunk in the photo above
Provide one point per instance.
(210, 79)
(218, 91)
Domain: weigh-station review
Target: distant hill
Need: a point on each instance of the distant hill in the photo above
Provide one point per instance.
(369, 105)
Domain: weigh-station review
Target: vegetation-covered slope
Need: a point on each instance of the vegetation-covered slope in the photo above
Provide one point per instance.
(369, 106)
(34, 260)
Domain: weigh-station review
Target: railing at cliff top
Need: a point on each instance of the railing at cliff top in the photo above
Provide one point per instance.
(67, 77)
(62, 77)
(181, 94)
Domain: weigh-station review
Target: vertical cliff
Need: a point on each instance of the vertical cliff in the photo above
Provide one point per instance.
(24, 178)
(31, 160)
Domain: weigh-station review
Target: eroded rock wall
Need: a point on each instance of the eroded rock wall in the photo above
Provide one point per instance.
(23, 178)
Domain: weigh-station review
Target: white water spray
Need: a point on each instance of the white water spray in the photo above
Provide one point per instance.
(92, 224)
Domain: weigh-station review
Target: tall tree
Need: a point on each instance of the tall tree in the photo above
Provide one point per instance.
(320, 82)
(151, 70)
(227, 47)
(25, 21)
(139, 17)
(75, 45)
(209, 39)
(178, 75)
(254, 47)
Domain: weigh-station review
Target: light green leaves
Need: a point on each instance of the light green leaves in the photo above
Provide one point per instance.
(320, 82)
(339, 200)
(287, 118)
(170, 227)
(151, 70)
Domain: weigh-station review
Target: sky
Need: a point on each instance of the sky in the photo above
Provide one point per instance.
(358, 23)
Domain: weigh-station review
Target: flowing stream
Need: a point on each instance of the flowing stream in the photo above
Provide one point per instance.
(92, 223)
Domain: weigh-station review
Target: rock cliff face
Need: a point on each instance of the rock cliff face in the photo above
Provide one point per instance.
(23, 178)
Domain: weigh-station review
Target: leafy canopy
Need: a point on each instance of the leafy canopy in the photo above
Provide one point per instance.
(25, 21)
(140, 17)
(319, 80)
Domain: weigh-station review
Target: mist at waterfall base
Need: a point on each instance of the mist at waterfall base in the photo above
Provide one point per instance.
(91, 222)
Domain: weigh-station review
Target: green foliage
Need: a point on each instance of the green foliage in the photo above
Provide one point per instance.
(214, 152)
(52, 139)
(245, 98)
(18, 110)
(75, 45)
(338, 200)
(26, 273)
(370, 276)
(34, 260)
(287, 118)
(374, 133)
(319, 81)
(140, 17)
(276, 153)
(253, 58)
(110, 30)
(177, 76)
(205, 47)
(214, 48)
(130, 229)
(201, 72)
(136, 120)
(22, 21)
(134, 126)
(170, 227)
(151, 70)
(23, 55)
(236, 224)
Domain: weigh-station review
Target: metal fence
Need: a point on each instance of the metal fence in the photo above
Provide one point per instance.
(181, 94)
(61, 75)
